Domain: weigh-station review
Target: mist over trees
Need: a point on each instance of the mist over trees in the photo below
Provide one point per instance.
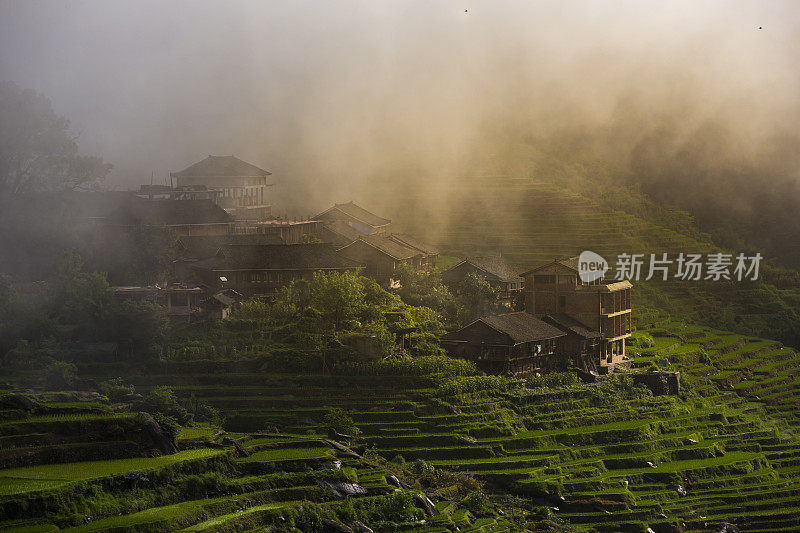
(38, 152)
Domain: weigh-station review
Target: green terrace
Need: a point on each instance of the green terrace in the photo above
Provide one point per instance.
(603, 456)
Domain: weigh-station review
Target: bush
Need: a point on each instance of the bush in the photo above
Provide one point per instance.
(642, 340)
(339, 421)
(201, 411)
(116, 389)
(559, 379)
(60, 375)
(163, 401)
(169, 426)
(309, 518)
(476, 502)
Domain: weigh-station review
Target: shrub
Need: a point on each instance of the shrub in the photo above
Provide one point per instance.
(309, 518)
(162, 400)
(169, 426)
(421, 468)
(60, 375)
(643, 340)
(476, 503)
(116, 389)
(338, 420)
(559, 379)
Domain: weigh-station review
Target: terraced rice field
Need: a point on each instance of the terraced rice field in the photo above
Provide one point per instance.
(538, 222)
(602, 456)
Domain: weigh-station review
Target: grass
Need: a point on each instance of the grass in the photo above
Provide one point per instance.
(42, 477)
(288, 454)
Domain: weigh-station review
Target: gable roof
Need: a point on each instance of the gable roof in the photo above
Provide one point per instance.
(351, 210)
(570, 325)
(495, 265)
(411, 242)
(570, 263)
(222, 166)
(519, 327)
(342, 228)
(205, 246)
(394, 249)
(137, 210)
(318, 256)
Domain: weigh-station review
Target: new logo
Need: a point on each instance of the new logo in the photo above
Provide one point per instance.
(591, 266)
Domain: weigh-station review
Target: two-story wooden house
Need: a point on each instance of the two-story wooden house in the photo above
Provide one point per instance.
(602, 306)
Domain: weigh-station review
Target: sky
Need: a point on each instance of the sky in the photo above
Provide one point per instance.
(336, 96)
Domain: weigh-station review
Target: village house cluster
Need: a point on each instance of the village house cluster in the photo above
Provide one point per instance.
(232, 248)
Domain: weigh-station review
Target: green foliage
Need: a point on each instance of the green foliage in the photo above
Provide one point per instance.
(338, 420)
(310, 517)
(339, 297)
(253, 309)
(149, 255)
(431, 366)
(169, 426)
(60, 375)
(477, 503)
(141, 322)
(476, 298)
(162, 400)
(642, 340)
(556, 379)
(116, 389)
(425, 289)
(37, 150)
(201, 411)
(79, 299)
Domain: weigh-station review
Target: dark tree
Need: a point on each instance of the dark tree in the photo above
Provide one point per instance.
(37, 150)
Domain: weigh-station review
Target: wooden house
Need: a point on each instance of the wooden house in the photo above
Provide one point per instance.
(185, 217)
(500, 274)
(220, 304)
(380, 255)
(602, 305)
(238, 187)
(513, 343)
(339, 233)
(429, 253)
(356, 217)
(581, 344)
(288, 231)
(179, 300)
(261, 269)
(194, 247)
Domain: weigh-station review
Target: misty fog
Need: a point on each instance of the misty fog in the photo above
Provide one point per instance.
(341, 100)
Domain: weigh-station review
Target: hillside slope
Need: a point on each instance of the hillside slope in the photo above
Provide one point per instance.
(533, 222)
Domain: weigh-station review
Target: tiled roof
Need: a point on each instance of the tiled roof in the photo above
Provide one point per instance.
(497, 266)
(518, 327)
(571, 263)
(522, 327)
(170, 212)
(356, 212)
(276, 257)
(570, 325)
(393, 249)
(222, 166)
(205, 246)
(407, 240)
(341, 227)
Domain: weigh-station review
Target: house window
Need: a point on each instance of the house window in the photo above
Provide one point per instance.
(562, 303)
(544, 278)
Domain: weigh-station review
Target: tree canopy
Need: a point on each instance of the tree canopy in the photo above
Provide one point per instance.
(38, 152)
